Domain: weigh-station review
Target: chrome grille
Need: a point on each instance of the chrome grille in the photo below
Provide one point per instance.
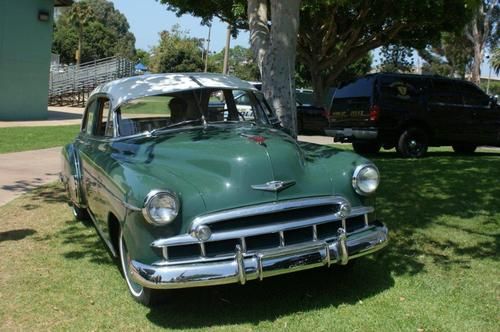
(254, 233)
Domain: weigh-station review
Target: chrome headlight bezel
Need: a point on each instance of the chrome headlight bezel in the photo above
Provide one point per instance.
(357, 181)
(155, 194)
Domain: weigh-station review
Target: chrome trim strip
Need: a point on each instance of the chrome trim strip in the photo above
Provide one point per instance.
(130, 206)
(242, 268)
(251, 231)
(265, 209)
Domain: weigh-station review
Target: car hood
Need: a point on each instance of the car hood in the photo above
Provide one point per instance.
(224, 162)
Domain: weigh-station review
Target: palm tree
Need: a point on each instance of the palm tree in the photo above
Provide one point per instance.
(80, 15)
(495, 60)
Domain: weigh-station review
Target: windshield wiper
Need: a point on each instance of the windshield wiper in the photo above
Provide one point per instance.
(174, 125)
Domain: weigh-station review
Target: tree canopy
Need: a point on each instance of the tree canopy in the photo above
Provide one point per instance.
(241, 63)
(105, 33)
(336, 33)
(177, 52)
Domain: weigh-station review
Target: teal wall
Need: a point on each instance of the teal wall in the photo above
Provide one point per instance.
(25, 44)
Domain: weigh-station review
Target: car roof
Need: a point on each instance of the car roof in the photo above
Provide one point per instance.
(135, 87)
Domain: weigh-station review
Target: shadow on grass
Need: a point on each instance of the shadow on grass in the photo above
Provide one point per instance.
(52, 194)
(444, 189)
(271, 298)
(16, 234)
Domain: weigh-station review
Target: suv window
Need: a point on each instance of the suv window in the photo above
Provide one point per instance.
(473, 95)
(444, 92)
(400, 89)
(362, 87)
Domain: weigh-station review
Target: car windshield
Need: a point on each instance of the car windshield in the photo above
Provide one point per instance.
(198, 107)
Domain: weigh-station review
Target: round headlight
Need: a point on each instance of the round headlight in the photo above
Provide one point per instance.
(160, 207)
(365, 179)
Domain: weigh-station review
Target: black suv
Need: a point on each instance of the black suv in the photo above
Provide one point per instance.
(412, 112)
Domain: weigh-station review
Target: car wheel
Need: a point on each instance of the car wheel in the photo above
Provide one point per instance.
(413, 143)
(79, 213)
(143, 295)
(366, 147)
(464, 148)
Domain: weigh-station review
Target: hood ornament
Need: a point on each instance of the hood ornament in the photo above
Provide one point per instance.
(275, 186)
(255, 138)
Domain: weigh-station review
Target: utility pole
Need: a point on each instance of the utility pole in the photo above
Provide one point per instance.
(208, 48)
(225, 69)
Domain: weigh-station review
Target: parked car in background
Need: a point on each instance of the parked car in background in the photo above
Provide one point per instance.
(413, 112)
(189, 194)
(310, 119)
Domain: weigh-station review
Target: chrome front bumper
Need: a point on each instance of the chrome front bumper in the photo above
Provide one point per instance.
(250, 266)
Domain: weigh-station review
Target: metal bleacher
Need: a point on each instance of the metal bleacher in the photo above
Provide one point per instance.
(71, 85)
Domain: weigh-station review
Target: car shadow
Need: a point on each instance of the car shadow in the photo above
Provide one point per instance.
(271, 298)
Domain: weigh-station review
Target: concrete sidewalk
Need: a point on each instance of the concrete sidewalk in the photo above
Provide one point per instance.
(21, 172)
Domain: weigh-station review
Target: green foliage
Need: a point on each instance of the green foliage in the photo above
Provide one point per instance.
(104, 32)
(356, 69)
(177, 52)
(241, 63)
(396, 59)
(450, 56)
(494, 87)
(335, 33)
(142, 56)
(495, 60)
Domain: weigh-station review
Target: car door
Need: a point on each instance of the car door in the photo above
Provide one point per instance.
(485, 119)
(93, 145)
(450, 119)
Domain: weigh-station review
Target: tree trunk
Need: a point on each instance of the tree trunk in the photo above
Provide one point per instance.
(275, 51)
(478, 52)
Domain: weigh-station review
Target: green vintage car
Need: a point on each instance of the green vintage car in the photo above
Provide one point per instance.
(188, 192)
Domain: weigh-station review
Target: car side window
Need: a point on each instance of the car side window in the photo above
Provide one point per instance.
(473, 96)
(444, 92)
(96, 118)
(104, 126)
(88, 120)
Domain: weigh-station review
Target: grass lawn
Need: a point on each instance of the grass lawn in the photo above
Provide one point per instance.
(16, 139)
(439, 273)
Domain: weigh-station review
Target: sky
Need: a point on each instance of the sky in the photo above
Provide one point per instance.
(148, 17)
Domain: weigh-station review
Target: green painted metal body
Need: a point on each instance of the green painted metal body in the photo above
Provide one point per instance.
(210, 168)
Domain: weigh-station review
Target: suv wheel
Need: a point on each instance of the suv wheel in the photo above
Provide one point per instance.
(413, 143)
(464, 148)
(366, 147)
